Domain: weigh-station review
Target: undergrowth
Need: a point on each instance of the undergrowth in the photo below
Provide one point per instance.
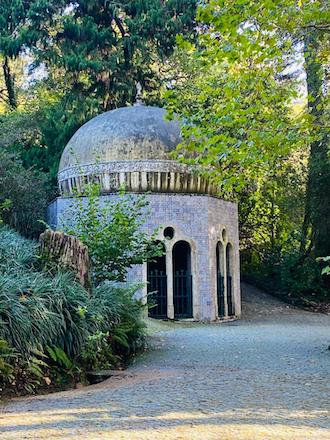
(51, 329)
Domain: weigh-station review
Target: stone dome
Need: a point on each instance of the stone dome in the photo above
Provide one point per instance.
(127, 147)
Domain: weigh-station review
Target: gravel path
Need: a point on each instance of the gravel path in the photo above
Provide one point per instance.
(262, 378)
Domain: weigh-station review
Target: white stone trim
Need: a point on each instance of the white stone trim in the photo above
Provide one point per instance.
(121, 166)
(136, 176)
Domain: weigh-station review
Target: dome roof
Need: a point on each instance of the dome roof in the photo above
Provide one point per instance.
(128, 133)
(127, 147)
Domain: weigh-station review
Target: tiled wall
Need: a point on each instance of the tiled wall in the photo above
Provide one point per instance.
(198, 219)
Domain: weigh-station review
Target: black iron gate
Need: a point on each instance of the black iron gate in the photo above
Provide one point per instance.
(182, 294)
(230, 304)
(157, 290)
(221, 294)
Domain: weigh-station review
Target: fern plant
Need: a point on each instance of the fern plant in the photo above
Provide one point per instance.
(7, 354)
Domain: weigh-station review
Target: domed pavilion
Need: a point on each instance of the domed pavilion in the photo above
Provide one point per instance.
(198, 275)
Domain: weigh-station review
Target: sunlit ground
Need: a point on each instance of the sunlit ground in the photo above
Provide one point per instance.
(100, 424)
(262, 378)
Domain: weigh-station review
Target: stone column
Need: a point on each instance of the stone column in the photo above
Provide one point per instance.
(169, 273)
(224, 254)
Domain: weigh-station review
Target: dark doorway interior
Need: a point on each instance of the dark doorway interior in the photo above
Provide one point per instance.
(157, 287)
(220, 280)
(229, 264)
(182, 280)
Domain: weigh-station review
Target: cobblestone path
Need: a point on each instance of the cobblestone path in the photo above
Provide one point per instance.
(262, 378)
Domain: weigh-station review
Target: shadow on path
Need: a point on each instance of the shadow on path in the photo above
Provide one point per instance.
(264, 377)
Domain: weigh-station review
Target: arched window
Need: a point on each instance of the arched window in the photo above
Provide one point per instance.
(182, 280)
(229, 267)
(220, 279)
(157, 286)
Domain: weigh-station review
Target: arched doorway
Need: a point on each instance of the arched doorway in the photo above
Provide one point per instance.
(220, 280)
(182, 280)
(157, 286)
(229, 267)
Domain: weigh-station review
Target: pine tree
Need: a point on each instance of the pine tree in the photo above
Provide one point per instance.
(104, 48)
(15, 38)
(95, 53)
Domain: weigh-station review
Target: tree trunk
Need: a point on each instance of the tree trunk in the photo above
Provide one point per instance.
(317, 209)
(68, 252)
(10, 85)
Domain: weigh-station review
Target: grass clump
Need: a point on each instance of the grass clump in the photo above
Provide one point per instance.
(51, 329)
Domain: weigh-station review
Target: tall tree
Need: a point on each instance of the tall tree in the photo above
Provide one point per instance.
(236, 101)
(14, 36)
(316, 228)
(103, 48)
(95, 52)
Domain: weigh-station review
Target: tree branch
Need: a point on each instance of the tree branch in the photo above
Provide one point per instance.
(321, 27)
(123, 34)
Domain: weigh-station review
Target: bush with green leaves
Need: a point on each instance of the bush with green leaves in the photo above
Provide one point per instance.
(6, 368)
(23, 196)
(112, 231)
(51, 322)
(301, 282)
(326, 268)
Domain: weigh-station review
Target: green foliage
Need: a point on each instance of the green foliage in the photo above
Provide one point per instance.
(303, 280)
(15, 37)
(13, 26)
(298, 281)
(5, 205)
(63, 368)
(271, 214)
(50, 323)
(36, 310)
(111, 231)
(25, 189)
(6, 369)
(16, 252)
(112, 339)
(94, 53)
(95, 44)
(235, 109)
(237, 98)
(109, 303)
(326, 269)
(97, 353)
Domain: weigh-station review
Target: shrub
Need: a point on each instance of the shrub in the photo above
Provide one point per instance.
(111, 231)
(299, 282)
(26, 191)
(51, 322)
(6, 369)
(16, 252)
(114, 309)
(326, 268)
(37, 310)
(303, 281)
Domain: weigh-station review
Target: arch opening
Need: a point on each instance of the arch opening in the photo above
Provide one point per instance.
(229, 267)
(220, 280)
(157, 286)
(182, 280)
